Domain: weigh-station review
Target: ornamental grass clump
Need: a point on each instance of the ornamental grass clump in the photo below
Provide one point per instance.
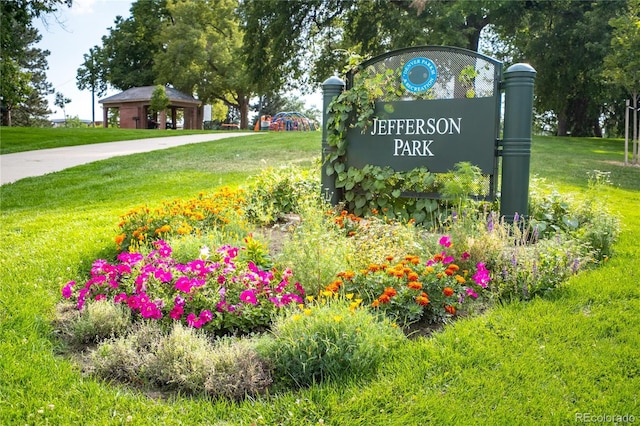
(184, 360)
(99, 321)
(218, 291)
(409, 289)
(328, 339)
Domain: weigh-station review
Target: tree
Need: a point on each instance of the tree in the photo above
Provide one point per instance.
(91, 76)
(23, 84)
(61, 102)
(622, 63)
(283, 39)
(201, 54)
(126, 58)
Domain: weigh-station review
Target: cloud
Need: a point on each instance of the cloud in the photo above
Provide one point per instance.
(82, 7)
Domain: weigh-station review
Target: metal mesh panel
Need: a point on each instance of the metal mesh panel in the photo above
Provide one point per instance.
(460, 74)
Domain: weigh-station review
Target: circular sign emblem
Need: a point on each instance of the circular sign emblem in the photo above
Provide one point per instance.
(419, 75)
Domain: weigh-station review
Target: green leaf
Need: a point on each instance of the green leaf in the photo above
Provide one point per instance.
(329, 169)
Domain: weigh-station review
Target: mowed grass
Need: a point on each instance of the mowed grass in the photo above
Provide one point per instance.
(18, 139)
(547, 361)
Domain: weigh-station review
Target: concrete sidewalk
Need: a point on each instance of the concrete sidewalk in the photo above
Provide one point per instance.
(20, 165)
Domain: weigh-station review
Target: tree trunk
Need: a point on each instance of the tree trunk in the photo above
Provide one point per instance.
(562, 125)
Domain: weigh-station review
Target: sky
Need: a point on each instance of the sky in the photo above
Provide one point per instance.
(68, 35)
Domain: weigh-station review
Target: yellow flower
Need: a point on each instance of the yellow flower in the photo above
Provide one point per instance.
(307, 312)
(349, 296)
(337, 318)
(296, 317)
(310, 298)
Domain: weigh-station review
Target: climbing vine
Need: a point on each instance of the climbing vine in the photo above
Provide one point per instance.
(376, 190)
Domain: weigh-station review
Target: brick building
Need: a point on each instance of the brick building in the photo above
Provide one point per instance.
(133, 105)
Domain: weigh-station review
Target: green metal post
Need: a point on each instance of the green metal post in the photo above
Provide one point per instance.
(331, 88)
(516, 141)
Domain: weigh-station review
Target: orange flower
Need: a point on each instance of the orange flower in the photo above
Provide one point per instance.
(389, 258)
(412, 259)
(422, 300)
(390, 291)
(453, 267)
(334, 286)
(347, 275)
(412, 276)
(384, 298)
(448, 291)
(449, 272)
(450, 309)
(373, 267)
(460, 279)
(415, 285)
(438, 257)
(375, 304)
(120, 238)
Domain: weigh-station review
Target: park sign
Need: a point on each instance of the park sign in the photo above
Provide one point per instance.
(438, 106)
(444, 110)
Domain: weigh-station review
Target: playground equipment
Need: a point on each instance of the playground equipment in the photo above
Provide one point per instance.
(285, 122)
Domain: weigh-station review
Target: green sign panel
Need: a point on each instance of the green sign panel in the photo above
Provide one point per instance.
(435, 134)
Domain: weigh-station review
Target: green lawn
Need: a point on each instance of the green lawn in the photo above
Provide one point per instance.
(547, 361)
(17, 139)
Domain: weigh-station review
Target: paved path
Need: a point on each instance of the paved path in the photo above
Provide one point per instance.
(20, 165)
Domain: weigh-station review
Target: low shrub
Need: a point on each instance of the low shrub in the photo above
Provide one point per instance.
(276, 192)
(586, 218)
(331, 338)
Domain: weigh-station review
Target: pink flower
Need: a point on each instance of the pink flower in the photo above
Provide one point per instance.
(206, 316)
(465, 256)
(163, 248)
(119, 298)
(183, 284)
(101, 297)
(193, 321)
(249, 296)
(67, 290)
(176, 312)
(472, 293)
(482, 277)
(148, 310)
(445, 241)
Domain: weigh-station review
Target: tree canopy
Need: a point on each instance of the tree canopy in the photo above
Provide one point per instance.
(23, 84)
(565, 40)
